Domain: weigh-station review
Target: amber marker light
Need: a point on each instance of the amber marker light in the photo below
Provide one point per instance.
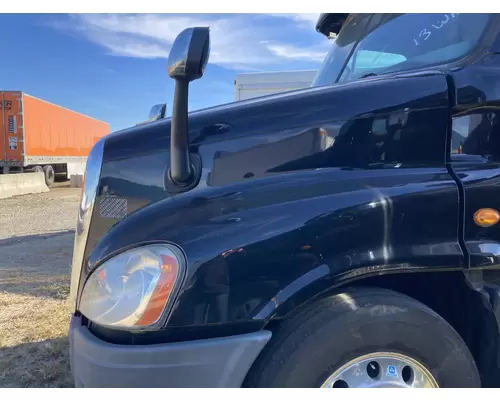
(161, 293)
(486, 217)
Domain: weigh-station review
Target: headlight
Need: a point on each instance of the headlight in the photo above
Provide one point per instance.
(135, 288)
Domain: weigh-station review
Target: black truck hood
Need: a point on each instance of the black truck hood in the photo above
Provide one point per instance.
(136, 159)
(249, 142)
(279, 173)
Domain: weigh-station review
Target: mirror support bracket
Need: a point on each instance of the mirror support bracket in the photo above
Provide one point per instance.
(181, 170)
(186, 62)
(173, 187)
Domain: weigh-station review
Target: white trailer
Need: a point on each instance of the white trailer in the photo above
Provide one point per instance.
(256, 84)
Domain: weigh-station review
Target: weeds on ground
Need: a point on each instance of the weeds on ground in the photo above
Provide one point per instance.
(33, 330)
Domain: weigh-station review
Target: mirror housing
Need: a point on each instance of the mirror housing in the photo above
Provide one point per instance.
(186, 62)
(189, 54)
(330, 24)
(157, 112)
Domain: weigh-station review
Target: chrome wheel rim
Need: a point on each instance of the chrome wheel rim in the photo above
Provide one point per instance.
(381, 370)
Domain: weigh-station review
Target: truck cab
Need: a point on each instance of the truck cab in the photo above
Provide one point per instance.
(342, 235)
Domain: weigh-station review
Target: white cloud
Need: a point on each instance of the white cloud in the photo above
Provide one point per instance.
(296, 53)
(309, 20)
(237, 41)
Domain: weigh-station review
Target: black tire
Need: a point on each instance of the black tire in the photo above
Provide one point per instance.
(317, 340)
(50, 175)
(38, 168)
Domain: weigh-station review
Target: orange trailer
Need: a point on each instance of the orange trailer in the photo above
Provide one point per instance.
(36, 135)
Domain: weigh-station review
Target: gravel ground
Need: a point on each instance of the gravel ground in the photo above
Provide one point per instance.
(36, 244)
(34, 214)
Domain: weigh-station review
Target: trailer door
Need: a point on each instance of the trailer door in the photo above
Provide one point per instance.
(11, 138)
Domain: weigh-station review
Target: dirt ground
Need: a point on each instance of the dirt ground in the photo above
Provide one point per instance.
(36, 244)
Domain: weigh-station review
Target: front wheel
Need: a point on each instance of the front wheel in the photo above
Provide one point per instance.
(365, 338)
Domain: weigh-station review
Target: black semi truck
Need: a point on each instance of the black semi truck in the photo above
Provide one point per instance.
(339, 236)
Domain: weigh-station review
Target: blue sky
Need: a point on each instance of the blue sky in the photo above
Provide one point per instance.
(113, 66)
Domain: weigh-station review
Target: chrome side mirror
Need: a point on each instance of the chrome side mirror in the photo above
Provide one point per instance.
(157, 112)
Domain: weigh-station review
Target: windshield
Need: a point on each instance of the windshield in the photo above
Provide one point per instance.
(380, 43)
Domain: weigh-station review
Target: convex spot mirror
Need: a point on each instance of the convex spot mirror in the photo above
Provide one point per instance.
(189, 54)
(157, 112)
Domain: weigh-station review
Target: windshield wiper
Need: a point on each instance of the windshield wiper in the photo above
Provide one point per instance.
(368, 75)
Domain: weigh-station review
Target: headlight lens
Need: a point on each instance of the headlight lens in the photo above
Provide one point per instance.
(133, 289)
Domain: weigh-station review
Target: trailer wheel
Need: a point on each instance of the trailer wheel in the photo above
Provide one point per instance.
(38, 168)
(49, 174)
(365, 338)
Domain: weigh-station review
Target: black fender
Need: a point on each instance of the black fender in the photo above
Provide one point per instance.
(280, 210)
(257, 243)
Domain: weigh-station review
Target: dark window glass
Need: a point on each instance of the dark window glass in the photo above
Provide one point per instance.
(477, 134)
(406, 137)
(399, 42)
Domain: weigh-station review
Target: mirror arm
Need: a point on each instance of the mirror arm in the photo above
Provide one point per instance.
(181, 171)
